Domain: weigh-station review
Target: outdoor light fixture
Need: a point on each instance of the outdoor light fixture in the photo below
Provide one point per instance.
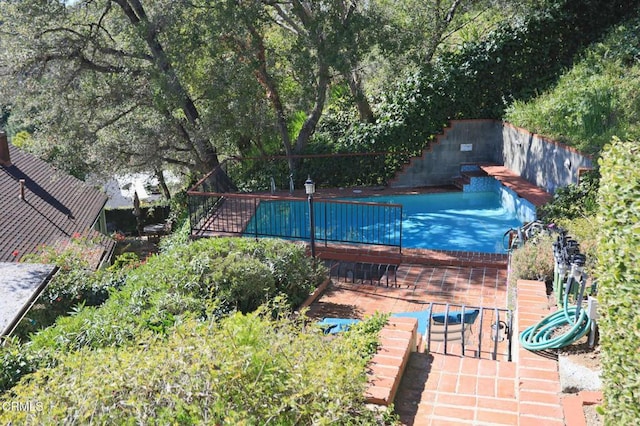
(310, 189)
(309, 186)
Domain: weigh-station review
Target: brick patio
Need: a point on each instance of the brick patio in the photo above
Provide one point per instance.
(439, 389)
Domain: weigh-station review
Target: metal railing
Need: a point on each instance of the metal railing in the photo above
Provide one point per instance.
(256, 215)
(485, 333)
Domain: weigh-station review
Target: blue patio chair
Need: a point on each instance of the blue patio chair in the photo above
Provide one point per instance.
(336, 325)
(435, 323)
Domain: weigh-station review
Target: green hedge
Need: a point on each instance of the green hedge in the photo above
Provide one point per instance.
(205, 279)
(244, 370)
(619, 278)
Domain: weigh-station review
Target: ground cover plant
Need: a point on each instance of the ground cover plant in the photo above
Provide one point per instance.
(593, 101)
(243, 369)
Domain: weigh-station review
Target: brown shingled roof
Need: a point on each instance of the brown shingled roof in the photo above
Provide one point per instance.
(56, 207)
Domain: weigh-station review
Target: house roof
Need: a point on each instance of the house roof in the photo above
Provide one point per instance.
(57, 208)
(20, 286)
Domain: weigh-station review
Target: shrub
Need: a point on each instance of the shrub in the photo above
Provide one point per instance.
(14, 363)
(205, 279)
(246, 369)
(573, 201)
(619, 278)
(294, 273)
(596, 99)
(534, 260)
(75, 283)
(241, 281)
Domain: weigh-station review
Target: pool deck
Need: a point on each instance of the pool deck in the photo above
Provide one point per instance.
(536, 195)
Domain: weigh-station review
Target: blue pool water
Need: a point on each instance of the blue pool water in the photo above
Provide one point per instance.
(465, 221)
(459, 221)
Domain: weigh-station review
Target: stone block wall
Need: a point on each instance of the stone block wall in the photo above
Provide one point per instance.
(465, 141)
(543, 162)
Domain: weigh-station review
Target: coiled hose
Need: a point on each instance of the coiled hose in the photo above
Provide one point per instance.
(541, 335)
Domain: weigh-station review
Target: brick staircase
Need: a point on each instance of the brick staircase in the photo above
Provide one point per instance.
(440, 389)
(398, 339)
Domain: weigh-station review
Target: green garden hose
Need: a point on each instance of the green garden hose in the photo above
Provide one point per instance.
(541, 335)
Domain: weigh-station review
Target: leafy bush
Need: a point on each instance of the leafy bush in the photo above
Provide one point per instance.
(75, 284)
(619, 278)
(294, 273)
(14, 363)
(534, 260)
(206, 279)
(573, 201)
(242, 280)
(246, 369)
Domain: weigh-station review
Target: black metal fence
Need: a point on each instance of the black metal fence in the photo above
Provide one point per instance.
(258, 216)
(476, 331)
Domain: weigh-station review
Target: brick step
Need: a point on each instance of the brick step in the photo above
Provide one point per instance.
(473, 173)
(398, 339)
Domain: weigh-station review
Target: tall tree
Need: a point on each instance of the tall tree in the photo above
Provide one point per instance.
(296, 49)
(96, 74)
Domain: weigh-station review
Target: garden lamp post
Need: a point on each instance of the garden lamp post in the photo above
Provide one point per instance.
(310, 189)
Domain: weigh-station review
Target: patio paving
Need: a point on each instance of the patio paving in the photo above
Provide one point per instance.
(421, 288)
(450, 389)
(417, 286)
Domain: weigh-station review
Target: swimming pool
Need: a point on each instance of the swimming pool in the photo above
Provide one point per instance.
(457, 221)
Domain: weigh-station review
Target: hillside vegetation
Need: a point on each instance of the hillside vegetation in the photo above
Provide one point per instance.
(593, 101)
(205, 332)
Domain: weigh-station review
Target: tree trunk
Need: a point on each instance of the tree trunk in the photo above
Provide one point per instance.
(265, 79)
(207, 157)
(362, 103)
(309, 126)
(163, 184)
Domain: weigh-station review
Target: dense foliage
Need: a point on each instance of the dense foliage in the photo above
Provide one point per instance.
(209, 278)
(75, 283)
(148, 85)
(595, 100)
(202, 333)
(479, 80)
(244, 369)
(533, 261)
(573, 201)
(619, 281)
